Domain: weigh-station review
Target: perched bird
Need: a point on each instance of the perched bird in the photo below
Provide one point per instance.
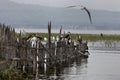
(83, 8)
(67, 35)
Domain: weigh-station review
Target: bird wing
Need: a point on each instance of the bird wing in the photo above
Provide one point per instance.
(70, 6)
(73, 6)
(84, 8)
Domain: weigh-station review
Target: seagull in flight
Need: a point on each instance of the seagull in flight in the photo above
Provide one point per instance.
(83, 8)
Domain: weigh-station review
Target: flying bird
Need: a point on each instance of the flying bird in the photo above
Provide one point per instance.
(73, 6)
(83, 8)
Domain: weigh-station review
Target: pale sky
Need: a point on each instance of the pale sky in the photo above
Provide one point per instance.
(112, 5)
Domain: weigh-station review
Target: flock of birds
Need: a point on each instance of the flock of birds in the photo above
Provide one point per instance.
(34, 39)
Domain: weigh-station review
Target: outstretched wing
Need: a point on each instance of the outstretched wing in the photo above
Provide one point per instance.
(70, 6)
(84, 8)
(73, 6)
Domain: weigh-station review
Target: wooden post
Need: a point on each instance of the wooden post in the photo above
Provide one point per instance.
(49, 34)
(61, 30)
(60, 33)
(49, 38)
(37, 58)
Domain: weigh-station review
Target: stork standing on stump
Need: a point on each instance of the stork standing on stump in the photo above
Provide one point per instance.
(83, 8)
(68, 37)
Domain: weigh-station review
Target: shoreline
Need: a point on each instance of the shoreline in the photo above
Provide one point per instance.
(75, 31)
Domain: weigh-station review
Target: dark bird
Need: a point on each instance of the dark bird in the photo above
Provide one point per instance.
(83, 8)
(68, 35)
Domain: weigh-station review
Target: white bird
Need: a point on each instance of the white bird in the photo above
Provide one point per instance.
(57, 38)
(83, 8)
(33, 41)
(53, 39)
(45, 39)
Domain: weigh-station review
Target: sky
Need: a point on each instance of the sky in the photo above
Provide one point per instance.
(111, 5)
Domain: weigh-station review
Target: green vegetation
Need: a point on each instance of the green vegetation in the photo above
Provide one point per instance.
(9, 74)
(13, 74)
(89, 37)
(0, 57)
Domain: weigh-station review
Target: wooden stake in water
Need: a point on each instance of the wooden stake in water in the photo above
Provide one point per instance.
(37, 59)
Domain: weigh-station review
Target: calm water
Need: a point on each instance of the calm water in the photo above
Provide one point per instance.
(102, 64)
(70, 30)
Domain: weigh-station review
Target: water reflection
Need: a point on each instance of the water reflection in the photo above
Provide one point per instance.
(102, 64)
(64, 70)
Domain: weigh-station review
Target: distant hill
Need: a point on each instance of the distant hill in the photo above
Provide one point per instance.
(22, 15)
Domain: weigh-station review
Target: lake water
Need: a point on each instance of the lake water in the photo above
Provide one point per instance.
(102, 64)
(69, 30)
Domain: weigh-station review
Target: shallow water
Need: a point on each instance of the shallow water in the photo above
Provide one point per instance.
(102, 64)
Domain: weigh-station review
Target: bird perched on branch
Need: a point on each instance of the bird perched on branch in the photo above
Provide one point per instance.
(82, 8)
